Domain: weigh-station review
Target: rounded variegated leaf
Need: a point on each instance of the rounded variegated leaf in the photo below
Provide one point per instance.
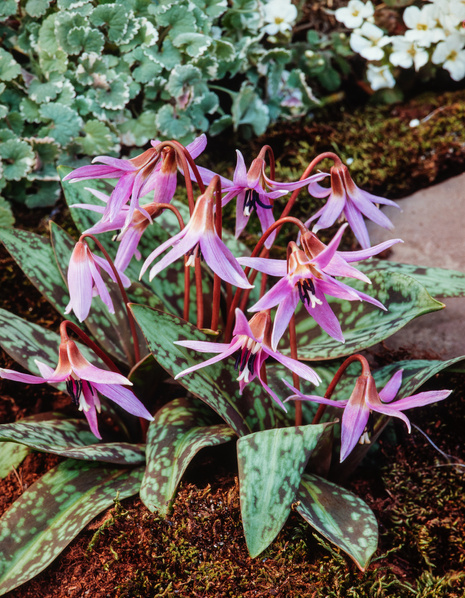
(180, 429)
(340, 516)
(363, 324)
(71, 438)
(51, 512)
(271, 464)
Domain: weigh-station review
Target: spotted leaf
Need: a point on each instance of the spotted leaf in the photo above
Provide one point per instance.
(439, 281)
(70, 438)
(35, 257)
(51, 512)
(271, 464)
(364, 325)
(11, 455)
(180, 429)
(215, 385)
(340, 516)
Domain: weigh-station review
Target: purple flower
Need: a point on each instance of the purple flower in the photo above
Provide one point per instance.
(138, 176)
(252, 344)
(347, 199)
(85, 281)
(255, 191)
(84, 382)
(199, 237)
(308, 280)
(364, 400)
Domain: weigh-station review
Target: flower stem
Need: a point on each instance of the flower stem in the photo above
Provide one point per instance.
(306, 173)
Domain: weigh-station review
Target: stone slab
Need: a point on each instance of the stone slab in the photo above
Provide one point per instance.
(432, 226)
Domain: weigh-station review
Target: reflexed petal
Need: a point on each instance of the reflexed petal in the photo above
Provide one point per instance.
(315, 398)
(275, 295)
(117, 163)
(179, 250)
(363, 254)
(266, 220)
(119, 197)
(19, 377)
(291, 186)
(273, 395)
(371, 211)
(267, 266)
(391, 389)
(331, 211)
(204, 346)
(420, 399)
(232, 348)
(357, 224)
(325, 318)
(125, 398)
(325, 257)
(93, 171)
(303, 371)
(240, 172)
(316, 190)
(196, 147)
(161, 248)
(241, 326)
(87, 371)
(222, 261)
(101, 287)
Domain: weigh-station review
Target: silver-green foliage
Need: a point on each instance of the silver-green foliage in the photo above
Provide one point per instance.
(88, 77)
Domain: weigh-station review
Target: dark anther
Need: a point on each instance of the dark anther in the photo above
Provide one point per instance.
(90, 387)
(74, 388)
(238, 359)
(245, 356)
(251, 363)
(252, 198)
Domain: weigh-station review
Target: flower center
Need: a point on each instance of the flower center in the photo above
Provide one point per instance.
(252, 198)
(74, 388)
(192, 254)
(245, 358)
(306, 289)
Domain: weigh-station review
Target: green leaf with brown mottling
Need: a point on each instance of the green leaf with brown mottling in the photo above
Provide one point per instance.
(51, 512)
(271, 464)
(11, 455)
(340, 516)
(180, 429)
(35, 257)
(363, 324)
(439, 282)
(216, 385)
(71, 438)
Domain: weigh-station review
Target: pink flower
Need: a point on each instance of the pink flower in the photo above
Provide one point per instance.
(84, 382)
(138, 176)
(85, 281)
(309, 279)
(364, 400)
(344, 197)
(255, 191)
(199, 237)
(252, 344)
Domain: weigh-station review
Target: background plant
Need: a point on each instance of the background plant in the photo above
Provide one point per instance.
(89, 77)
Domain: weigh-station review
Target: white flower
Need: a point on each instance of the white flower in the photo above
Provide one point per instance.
(380, 77)
(368, 41)
(355, 13)
(407, 53)
(423, 25)
(451, 54)
(280, 16)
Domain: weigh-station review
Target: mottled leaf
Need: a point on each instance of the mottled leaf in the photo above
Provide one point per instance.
(271, 464)
(51, 512)
(180, 429)
(340, 516)
(70, 438)
(363, 324)
(11, 455)
(216, 385)
(35, 257)
(438, 281)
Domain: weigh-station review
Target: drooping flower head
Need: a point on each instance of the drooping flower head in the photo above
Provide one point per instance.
(308, 279)
(85, 281)
(84, 383)
(150, 171)
(251, 344)
(347, 200)
(200, 238)
(364, 400)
